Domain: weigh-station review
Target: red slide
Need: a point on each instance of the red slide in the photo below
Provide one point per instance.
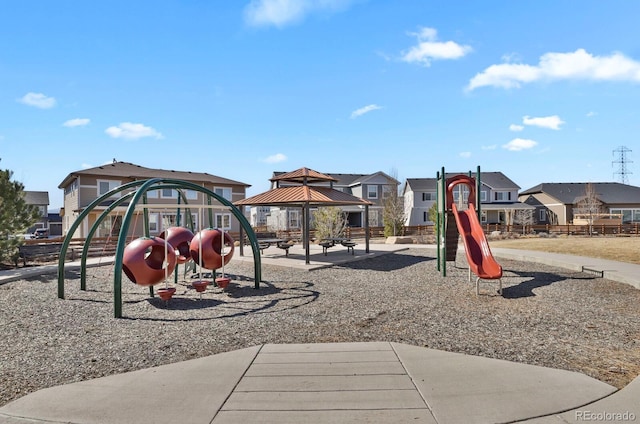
(479, 256)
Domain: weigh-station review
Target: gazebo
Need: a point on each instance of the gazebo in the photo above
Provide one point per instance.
(305, 188)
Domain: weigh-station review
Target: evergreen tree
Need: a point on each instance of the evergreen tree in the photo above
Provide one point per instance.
(15, 216)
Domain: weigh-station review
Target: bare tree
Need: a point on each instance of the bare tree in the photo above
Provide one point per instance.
(329, 222)
(393, 213)
(524, 217)
(589, 206)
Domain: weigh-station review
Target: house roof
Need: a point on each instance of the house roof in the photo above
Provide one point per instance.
(137, 172)
(36, 197)
(571, 193)
(493, 180)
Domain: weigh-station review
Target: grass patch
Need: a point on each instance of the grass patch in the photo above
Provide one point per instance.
(622, 249)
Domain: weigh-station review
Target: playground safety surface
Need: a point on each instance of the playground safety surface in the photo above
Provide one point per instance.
(341, 382)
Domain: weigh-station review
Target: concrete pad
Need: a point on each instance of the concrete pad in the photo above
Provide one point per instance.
(493, 390)
(418, 416)
(329, 401)
(325, 357)
(325, 383)
(191, 391)
(332, 368)
(326, 347)
(623, 406)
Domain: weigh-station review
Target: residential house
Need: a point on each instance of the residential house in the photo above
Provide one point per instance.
(40, 199)
(83, 187)
(373, 187)
(556, 203)
(498, 199)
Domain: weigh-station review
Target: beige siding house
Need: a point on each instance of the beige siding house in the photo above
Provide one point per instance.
(83, 187)
(556, 203)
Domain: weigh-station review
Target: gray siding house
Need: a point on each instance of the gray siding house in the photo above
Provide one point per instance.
(373, 187)
(498, 198)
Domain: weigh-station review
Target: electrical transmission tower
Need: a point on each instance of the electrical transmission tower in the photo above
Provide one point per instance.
(622, 162)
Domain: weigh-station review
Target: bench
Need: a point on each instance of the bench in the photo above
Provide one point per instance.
(34, 251)
(285, 245)
(349, 245)
(262, 246)
(325, 246)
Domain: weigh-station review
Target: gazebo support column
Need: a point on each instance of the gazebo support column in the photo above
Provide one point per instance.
(305, 230)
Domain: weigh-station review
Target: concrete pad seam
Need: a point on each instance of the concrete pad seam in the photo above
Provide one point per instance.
(424, 399)
(235, 385)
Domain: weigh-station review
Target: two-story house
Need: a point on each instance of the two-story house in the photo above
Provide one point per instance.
(40, 199)
(373, 187)
(498, 199)
(555, 203)
(83, 187)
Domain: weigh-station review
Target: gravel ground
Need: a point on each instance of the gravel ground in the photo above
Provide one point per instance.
(547, 316)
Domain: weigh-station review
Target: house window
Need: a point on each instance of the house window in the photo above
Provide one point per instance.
(483, 216)
(628, 215)
(153, 194)
(153, 222)
(223, 220)
(372, 191)
(105, 186)
(223, 192)
(168, 193)
(456, 195)
(483, 196)
(502, 196)
(386, 191)
(428, 196)
(191, 194)
(543, 215)
(294, 219)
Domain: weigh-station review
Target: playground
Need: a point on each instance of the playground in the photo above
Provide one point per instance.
(537, 314)
(546, 316)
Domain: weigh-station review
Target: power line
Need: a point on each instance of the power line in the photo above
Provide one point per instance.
(622, 162)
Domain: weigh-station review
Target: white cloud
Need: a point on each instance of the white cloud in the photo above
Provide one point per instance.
(86, 166)
(578, 65)
(491, 147)
(130, 131)
(280, 13)
(551, 122)
(465, 154)
(38, 100)
(428, 48)
(516, 128)
(76, 122)
(277, 158)
(518, 144)
(592, 113)
(359, 112)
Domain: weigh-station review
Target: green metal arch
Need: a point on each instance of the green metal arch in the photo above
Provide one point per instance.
(140, 192)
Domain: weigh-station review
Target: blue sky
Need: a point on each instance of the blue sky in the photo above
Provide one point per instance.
(543, 91)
